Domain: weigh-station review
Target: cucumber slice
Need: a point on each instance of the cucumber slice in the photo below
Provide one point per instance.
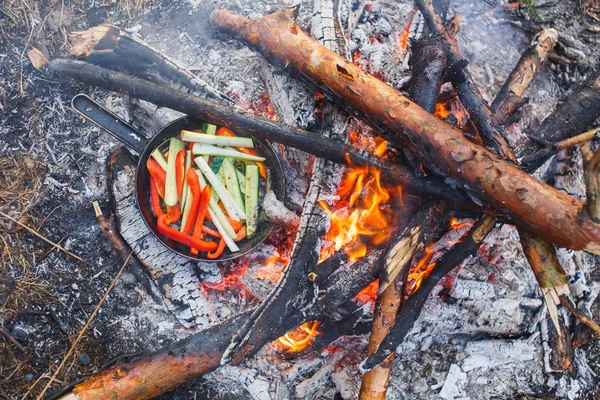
(209, 129)
(210, 150)
(213, 206)
(175, 146)
(252, 186)
(241, 180)
(213, 139)
(184, 191)
(186, 209)
(159, 157)
(232, 183)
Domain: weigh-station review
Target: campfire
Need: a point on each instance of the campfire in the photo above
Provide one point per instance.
(397, 170)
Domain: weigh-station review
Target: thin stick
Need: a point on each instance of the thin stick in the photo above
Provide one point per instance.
(84, 329)
(584, 319)
(32, 231)
(12, 340)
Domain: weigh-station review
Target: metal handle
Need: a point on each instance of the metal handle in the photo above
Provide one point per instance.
(121, 130)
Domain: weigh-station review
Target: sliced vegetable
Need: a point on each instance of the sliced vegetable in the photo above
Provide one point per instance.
(241, 180)
(171, 197)
(160, 158)
(252, 186)
(223, 131)
(180, 174)
(154, 199)
(218, 252)
(211, 232)
(196, 137)
(233, 209)
(163, 227)
(210, 150)
(158, 174)
(209, 129)
(188, 165)
(192, 180)
(186, 210)
(216, 210)
(220, 227)
(241, 234)
(216, 164)
(201, 214)
(232, 183)
(173, 213)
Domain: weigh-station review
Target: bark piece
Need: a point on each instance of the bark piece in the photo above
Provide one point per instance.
(549, 213)
(591, 166)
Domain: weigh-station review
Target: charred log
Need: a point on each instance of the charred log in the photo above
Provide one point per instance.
(575, 114)
(428, 63)
(110, 47)
(545, 211)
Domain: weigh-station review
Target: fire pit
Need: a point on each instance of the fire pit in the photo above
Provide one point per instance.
(414, 256)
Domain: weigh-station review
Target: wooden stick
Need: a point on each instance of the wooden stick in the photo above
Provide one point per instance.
(553, 148)
(510, 97)
(549, 213)
(84, 329)
(12, 339)
(580, 315)
(35, 233)
(591, 169)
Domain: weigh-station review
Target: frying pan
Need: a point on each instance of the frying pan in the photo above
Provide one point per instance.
(143, 146)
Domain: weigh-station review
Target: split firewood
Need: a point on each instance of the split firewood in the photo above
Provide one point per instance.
(111, 47)
(468, 92)
(295, 290)
(245, 122)
(547, 212)
(575, 114)
(510, 97)
(201, 352)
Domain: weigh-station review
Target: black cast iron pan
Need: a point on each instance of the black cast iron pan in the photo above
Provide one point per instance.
(142, 145)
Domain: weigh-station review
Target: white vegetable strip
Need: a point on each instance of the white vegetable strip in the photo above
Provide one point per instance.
(226, 237)
(184, 191)
(175, 146)
(233, 209)
(231, 182)
(186, 209)
(210, 150)
(214, 206)
(196, 137)
(159, 157)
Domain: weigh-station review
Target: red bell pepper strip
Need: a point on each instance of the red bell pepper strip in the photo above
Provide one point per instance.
(201, 211)
(224, 131)
(173, 214)
(211, 232)
(190, 146)
(218, 252)
(182, 238)
(194, 186)
(241, 234)
(180, 172)
(154, 199)
(158, 174)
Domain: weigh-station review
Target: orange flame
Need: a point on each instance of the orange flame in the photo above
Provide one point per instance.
(272, 269)
(299, 339)
(452, 105)
(403, 36)
(420, 269)
(368, 294)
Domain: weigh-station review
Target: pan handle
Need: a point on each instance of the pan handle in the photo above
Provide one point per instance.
(121, 130)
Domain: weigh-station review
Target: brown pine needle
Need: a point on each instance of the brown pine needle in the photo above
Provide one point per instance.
(34, 232)
(84, 329)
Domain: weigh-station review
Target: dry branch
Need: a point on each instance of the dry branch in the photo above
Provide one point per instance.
(591, 169)
(510, 97)
(545, 211)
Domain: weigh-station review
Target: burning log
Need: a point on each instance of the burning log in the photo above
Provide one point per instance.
(510, 97)
(295, 290)
(545, 211)
(428, 65)
(409, 245)
(242, 121)
(110, 47)
(574, 115)
(202, 352)
(412, 306)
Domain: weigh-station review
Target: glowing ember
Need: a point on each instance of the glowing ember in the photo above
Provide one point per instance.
(299, 339)
(368, 294)
(403, 36)
(272, 268)
(452, 106)
(232, 274)
(457, 225)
